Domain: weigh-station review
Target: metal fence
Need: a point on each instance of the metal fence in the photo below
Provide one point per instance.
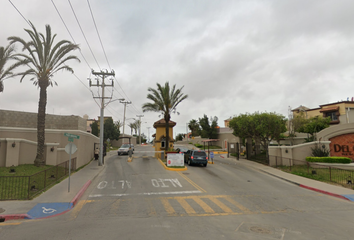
(26, 187)
(336, 175)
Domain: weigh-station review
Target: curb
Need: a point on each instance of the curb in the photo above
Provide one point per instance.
(14, 217)
(307, 187)
(79, 194)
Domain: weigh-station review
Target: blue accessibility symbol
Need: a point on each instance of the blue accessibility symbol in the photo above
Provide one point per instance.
(42, 210)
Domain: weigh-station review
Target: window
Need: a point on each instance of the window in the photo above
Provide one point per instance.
(333, 115)
(163, 142)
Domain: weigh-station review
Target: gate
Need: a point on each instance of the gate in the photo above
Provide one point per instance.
(233, 148)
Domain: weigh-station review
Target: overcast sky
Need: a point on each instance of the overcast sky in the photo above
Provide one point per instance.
(232, 57)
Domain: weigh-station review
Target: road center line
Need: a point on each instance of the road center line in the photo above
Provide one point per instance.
(141, 194)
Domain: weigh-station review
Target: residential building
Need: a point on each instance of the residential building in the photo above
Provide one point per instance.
(339, 112)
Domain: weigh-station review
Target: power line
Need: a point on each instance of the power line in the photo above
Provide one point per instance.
(70, 33)
(77, 20)
(19, 13)
(99, 37)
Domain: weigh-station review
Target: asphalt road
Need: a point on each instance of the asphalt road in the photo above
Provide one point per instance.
(225, 200)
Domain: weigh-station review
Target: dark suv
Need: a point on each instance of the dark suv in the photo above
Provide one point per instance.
(196, 157)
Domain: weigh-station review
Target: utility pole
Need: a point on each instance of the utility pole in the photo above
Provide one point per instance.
(125, 106)
(140, 116)
(148, 133)
(102, 75)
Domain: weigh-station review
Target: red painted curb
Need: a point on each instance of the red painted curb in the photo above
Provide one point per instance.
(80, 193)
(324, 192)
(222, 156)
(15, 216)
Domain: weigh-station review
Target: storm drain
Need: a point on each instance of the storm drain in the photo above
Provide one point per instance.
(2, 210)
(261, 230)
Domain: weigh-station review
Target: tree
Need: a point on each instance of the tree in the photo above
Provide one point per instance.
(131, 125)
(179, 137)
(7, 54)
(118, 124)
(314, 125)
(193, 125)
(94, 128)
(165, 101)
(44, 59)
(208, 127)
(263, 126)
(110, 130)
(268, 127)
(295, 123)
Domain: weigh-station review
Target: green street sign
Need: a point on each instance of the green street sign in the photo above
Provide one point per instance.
(71, 136)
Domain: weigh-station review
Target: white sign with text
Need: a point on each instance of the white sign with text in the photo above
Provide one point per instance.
(175, 159)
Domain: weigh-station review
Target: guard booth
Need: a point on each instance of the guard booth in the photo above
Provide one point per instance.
(160, 138)
(233, 147)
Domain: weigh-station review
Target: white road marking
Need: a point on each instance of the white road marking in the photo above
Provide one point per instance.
(141, 194)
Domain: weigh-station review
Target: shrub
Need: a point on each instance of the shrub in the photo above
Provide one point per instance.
(329, 159)
(198, 145)
(320, 152)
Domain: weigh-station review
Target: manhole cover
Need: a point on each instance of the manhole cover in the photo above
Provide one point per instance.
(2, 210)
(260, 230)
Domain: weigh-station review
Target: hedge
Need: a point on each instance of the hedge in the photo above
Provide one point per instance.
(329, 159)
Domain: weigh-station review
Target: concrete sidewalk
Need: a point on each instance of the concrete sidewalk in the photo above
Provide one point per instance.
(57, 195)
(325, 188)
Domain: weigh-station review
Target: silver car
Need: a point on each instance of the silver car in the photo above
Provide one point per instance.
(124, 149)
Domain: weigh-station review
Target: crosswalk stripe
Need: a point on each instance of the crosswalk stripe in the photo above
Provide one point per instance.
(221, 205)
(168, 206)
(186, 206)
(241, 207)
(205, 206)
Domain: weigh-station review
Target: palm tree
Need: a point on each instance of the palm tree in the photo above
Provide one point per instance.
(7, 54)
(43, 60)
(165, 101)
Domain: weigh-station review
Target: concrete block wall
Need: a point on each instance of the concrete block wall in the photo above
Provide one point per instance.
(18, 119)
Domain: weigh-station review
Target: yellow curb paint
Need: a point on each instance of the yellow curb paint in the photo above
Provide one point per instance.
(10, 224)
(210, 162)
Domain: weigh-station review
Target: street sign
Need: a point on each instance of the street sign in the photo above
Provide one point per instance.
(211, 154)
(70, 150)
(71, 136)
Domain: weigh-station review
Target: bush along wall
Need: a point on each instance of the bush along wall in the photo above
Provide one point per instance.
(329, 159)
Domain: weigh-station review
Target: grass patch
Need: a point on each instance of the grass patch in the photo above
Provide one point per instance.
(28, 180)
(23, 170)
(323, 174)
(175, 166)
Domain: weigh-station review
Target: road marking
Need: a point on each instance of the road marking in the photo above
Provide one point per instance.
(241, 207)
(75, 211)
(48, 210)
(221, 205)
(141, 194)
(168, 206)
(10, 224)
(205, 206)
(186, 206)
(191, 182)
(157, 182)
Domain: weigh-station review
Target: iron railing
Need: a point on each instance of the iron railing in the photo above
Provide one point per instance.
(325, 173)
(26, 187)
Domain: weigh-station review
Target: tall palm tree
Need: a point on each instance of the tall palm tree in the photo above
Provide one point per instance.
(7, 54)
(164, 100)
(44, 59)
